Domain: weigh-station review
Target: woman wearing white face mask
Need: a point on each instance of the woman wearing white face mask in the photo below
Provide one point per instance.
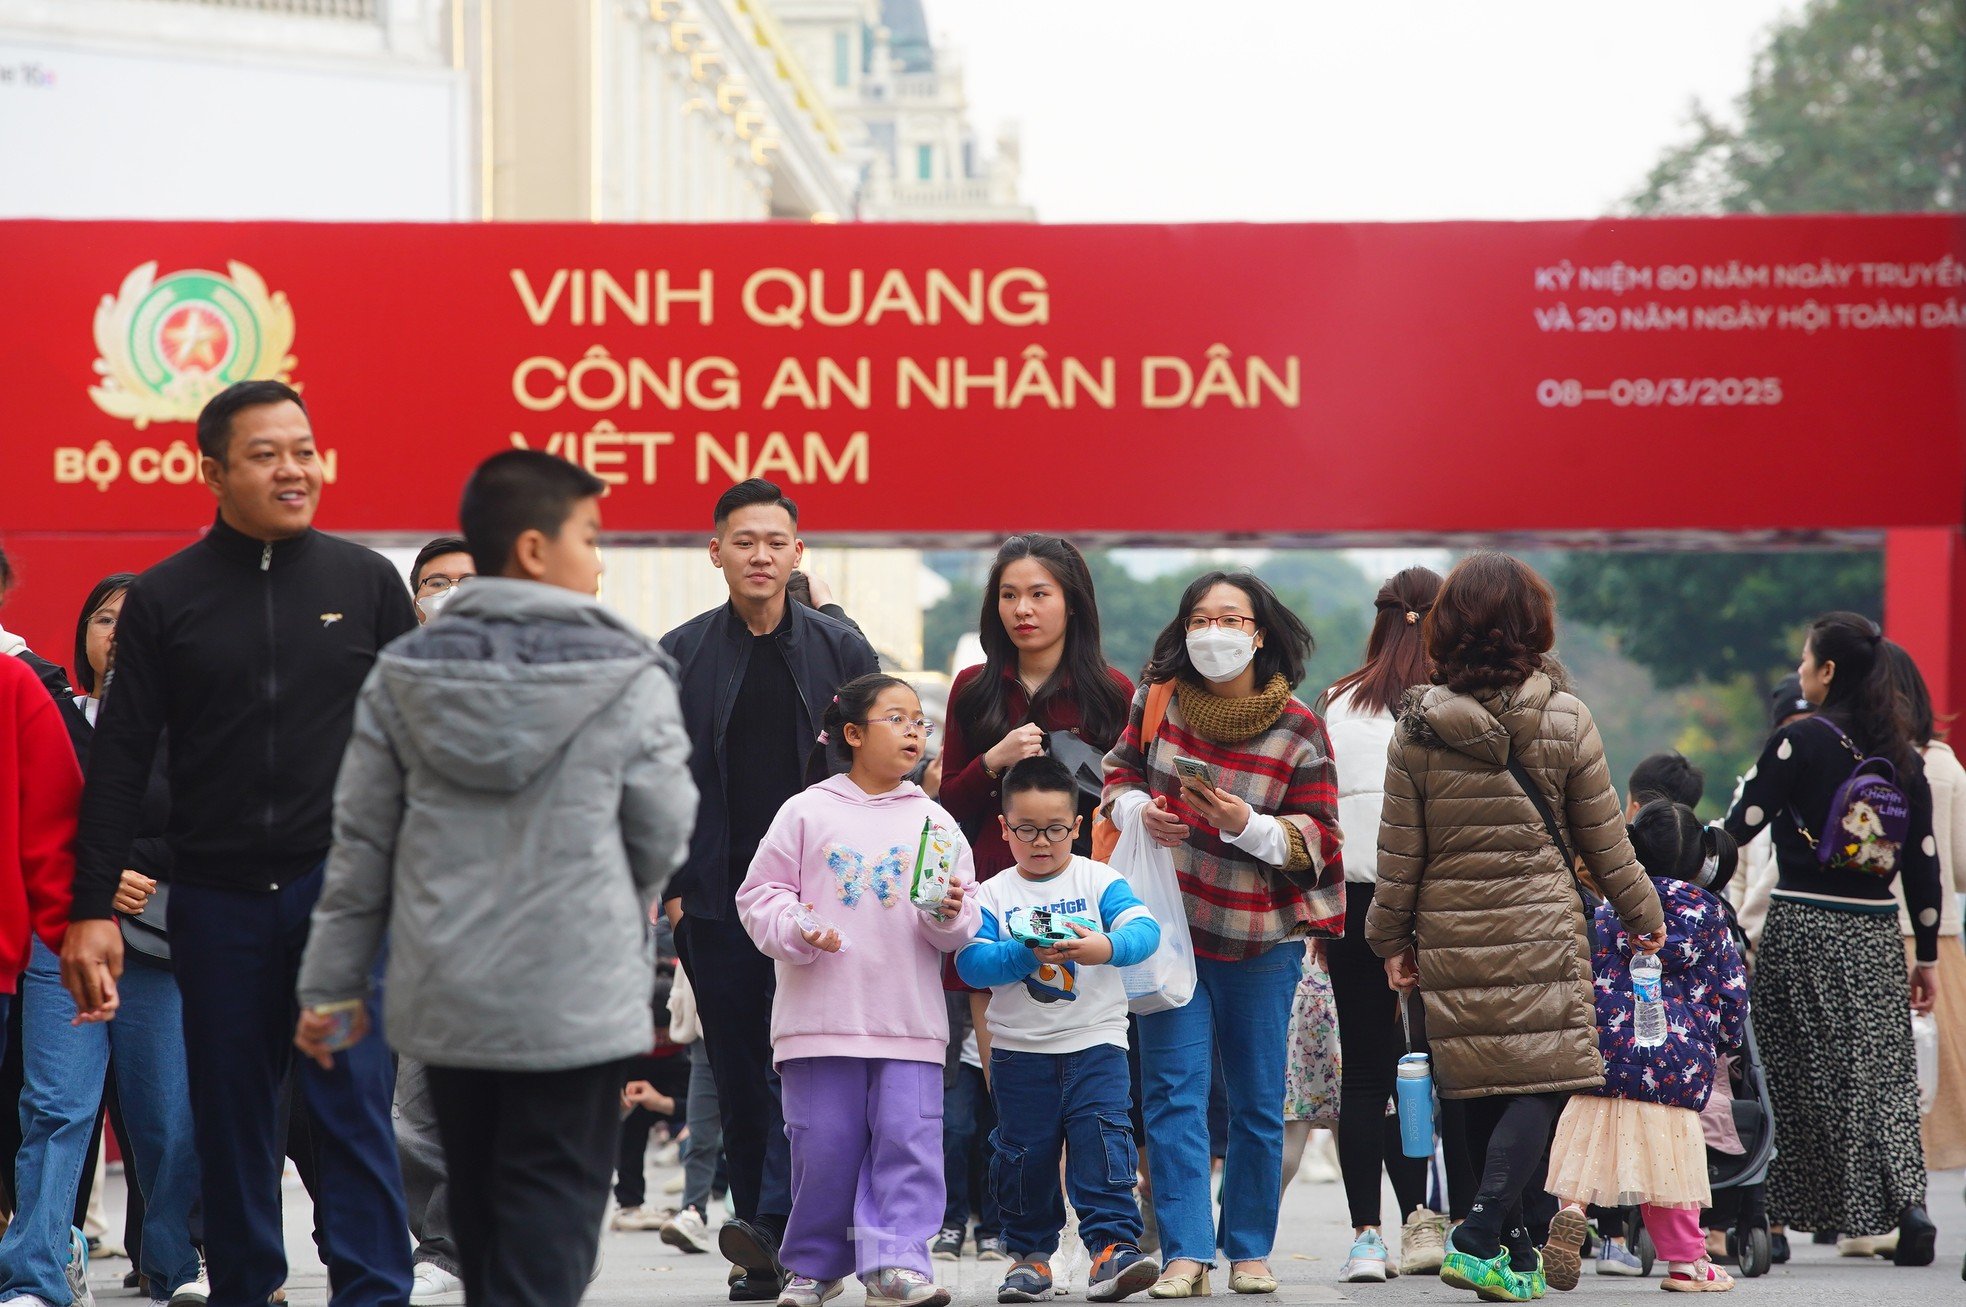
(1256, 846)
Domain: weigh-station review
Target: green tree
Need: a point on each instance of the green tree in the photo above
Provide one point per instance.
(1690, 617)
(1855, 106)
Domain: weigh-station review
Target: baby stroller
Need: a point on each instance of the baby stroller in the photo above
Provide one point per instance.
(1739, 1180)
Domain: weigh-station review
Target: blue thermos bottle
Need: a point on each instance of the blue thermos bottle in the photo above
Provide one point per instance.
(1416, 1105)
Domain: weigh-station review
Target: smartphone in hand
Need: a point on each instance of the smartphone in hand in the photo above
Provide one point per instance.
(1195, 772)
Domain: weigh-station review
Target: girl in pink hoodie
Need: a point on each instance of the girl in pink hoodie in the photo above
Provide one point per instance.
(859, 1025)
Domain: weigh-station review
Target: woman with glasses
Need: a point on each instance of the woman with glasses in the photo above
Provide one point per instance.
(1238, 783)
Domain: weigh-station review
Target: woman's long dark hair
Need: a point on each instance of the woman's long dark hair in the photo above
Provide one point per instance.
(106, 589)
(1908, 683)
(982, 710)
(1396, 651)
(1863, 698)
(1287, 642)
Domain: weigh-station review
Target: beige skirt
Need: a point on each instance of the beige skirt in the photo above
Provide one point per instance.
(1944, 1127)
(1617, 1153)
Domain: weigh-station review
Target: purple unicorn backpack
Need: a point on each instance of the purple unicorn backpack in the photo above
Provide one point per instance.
(1869, 816)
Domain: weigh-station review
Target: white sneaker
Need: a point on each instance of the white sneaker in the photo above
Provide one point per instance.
(639, 1218)
(673, 1185)
(1856, 1245)
(433, 1286)
(195, 1292)
(1070, 1257)
(1422, 1242)
(79, 1292)
(804, 1291)
(686, 1230)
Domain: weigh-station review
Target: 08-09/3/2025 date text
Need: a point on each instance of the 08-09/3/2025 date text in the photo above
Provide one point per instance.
(1663, 392)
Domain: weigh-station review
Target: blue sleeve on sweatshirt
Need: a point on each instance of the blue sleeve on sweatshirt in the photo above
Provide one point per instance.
(990, 959)
(1135, 941)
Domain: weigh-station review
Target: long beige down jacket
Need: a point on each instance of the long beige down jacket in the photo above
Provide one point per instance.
(1469, 877)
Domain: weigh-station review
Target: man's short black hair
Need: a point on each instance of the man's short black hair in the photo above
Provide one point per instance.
(518, 491)
(1667, 776)
(215, 419)
(1043, 774)
(434, 550)
(750, 494)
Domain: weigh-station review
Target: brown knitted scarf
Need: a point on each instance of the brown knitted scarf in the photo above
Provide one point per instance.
(1223, 719)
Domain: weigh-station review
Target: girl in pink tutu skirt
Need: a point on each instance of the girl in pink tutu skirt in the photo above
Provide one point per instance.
(1638, 1139)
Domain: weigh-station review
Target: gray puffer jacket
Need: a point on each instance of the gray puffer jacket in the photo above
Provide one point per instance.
(516, 790)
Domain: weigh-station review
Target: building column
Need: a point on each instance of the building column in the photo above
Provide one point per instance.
(1925, 606)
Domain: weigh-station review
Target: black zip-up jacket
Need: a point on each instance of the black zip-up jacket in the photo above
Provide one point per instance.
(711, 650)
(250, 654)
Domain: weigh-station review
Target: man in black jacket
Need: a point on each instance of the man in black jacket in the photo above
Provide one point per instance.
(756, 674)
(249, 648)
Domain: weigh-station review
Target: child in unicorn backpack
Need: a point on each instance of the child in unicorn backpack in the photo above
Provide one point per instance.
(858, 889)
(1638, 1139)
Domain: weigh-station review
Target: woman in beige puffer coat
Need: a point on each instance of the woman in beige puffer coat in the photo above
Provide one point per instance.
(1475, 905)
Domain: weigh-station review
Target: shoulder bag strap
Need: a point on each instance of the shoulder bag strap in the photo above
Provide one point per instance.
(1153, 714)
(1809, 836)
(1543, 810)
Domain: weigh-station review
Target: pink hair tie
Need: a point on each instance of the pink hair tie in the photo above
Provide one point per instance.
(823, 739)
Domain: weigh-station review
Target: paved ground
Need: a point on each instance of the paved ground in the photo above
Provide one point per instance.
(641, 1271)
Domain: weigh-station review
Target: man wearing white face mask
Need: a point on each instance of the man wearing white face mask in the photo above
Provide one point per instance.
(441, 567)
(1238, 784)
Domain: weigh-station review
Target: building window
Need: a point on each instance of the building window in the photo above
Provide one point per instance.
(842, 59)
(925, 162)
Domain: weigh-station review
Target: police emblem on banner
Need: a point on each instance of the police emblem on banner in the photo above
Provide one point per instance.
(168, 345)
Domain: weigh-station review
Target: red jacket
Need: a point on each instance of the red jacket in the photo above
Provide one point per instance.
(40, 793)
(967, 790)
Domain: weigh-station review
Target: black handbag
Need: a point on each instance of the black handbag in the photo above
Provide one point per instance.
(1087, 764)
(144, 934)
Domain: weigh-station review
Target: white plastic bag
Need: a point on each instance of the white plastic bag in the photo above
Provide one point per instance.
(684, 1027)
(1925, 1052)
(1166, 980)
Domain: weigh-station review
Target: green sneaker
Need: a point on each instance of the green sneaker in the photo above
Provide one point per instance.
(1490, 1279)
(1539, 1285)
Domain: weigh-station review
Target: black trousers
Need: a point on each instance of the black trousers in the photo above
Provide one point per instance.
(1370, 1042)
(530, 1155)
(734, 985)
(1512, 1132)
(669, 1075)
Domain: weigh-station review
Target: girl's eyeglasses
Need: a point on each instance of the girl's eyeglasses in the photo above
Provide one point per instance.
(921, 726)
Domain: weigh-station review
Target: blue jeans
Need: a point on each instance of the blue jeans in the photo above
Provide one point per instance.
(1046, 1101)
(1244, 1009)
(968, 1117)
(63, 1068)
(238, 959)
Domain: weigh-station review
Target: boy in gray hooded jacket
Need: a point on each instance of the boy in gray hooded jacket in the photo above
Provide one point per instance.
(516, 791)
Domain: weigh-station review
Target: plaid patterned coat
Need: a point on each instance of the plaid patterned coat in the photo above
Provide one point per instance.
(1239, 907)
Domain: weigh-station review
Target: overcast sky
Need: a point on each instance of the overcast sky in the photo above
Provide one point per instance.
(1307, 110)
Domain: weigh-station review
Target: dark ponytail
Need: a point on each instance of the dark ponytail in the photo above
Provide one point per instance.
(1863, 697)
(831, 754)
(1670, 842)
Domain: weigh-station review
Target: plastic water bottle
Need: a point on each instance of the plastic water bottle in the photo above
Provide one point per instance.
(1648, 1001)
(806, 919)
(1415, 1092)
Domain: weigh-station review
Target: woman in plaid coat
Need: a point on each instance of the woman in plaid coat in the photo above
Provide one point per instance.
(1256, 846)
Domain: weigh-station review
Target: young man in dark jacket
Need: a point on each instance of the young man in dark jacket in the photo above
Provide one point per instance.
(757, 674)
(249, 647)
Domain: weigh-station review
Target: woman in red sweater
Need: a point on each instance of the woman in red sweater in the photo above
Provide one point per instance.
(1043, 671)
(40, 791)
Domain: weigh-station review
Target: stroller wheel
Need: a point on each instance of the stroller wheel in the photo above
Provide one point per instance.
(1755, 1250)
(1641, 1244)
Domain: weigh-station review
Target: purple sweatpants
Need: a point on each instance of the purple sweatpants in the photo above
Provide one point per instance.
(866, 1138)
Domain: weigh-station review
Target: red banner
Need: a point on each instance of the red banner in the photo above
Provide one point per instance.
(917, 381)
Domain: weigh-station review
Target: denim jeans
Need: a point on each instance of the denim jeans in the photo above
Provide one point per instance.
(1046, 1101)
(1244, 1009)
(64, 1066)
(968, 1117)
(238, 959)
